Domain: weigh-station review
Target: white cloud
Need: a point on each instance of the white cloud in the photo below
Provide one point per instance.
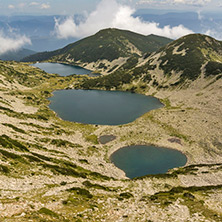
(45, 6)
(214, 33)
(200, 16)
(11, 6)
(110, 14)
(12, 44)
(197, 3)
(34, 4)
(66, 28)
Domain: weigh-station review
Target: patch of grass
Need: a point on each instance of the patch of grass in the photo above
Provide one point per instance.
(63, 143)
(88, 184)
(126, 195)
(33, 125)
(48, 212)
(7, 142)
(64, 170)
(83, 161)
(96, 175)
(14, 128)
(6, 109)
(42, 157)
(188, 195)
(80, 191)
(172, 131)
(158, 176)
(4, 169)
(12, 156)
(32, 158)
(92, 139)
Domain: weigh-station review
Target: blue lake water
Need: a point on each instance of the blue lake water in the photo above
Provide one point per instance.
(101, 107)
(63, 69)
(141, 160)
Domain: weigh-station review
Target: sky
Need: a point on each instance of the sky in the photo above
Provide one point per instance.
(70, 7)
(100, 14)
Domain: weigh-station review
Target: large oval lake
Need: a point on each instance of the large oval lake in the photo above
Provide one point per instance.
(141, 160)
(63, 69)
(101, 107)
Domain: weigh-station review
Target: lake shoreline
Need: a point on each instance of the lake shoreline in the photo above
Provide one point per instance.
(114, 99)
(146, 165)
(63, 69)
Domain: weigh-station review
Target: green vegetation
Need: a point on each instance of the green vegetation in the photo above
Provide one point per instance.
(46, 211)
(45, 150)
(191, 62)
(213, 68)
(114, 80)
(126, 195)
(12, 156)
(4, 169)
(80, 191)
(188, 195)
(7, 142)
(14, 128)
(63, 143)
(186, 56)
(92, 139)
(88, 184)
(107, 44)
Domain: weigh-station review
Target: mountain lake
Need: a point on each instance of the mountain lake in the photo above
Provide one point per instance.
(63, 69)
(101, 107)
(141, 160)
(117, 108)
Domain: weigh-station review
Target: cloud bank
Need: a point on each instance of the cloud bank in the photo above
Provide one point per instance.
(110, 14)
(12, 44)
(195, 3)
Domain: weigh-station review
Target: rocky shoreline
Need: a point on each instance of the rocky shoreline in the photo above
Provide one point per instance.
(65, 173)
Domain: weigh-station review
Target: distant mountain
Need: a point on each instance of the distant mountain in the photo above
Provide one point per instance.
(39, 29)
(105, 50)
(188, 19)
(198, 22)
(188, 58)
(179, 63)
(16, 55)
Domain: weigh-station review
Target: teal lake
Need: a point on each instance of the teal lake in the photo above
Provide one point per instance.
(141, 160)
(101, 107)
(63, 69)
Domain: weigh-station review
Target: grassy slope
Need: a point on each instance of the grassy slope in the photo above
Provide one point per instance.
(107, 44)
(183, 59)
(65, 175)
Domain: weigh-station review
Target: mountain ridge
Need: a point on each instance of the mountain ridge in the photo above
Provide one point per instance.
(106, 50)
(55, 170)
(179, 62)
(16, 55)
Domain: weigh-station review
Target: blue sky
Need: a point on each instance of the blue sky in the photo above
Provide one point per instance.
(70, 7)
(101, 14)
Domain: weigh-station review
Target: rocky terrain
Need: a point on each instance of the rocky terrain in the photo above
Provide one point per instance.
(55, 170)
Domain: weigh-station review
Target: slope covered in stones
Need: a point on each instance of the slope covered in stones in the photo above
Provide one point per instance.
(54, 170)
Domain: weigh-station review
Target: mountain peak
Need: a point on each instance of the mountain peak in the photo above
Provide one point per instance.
(101, 49)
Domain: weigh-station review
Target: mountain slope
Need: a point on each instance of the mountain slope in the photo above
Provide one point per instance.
(103, 48)
(180, 62)
(16, 55)
(55, 170)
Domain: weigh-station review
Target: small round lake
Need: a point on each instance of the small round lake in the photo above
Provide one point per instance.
(63, 69)
(101, 107)
(141, 160)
